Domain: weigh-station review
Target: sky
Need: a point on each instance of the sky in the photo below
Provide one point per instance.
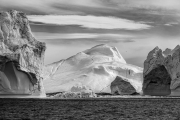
(135, 27)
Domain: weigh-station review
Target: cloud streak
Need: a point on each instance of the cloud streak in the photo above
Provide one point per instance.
(41, 35)
(43, 5)
(83, 37)
(89, 21)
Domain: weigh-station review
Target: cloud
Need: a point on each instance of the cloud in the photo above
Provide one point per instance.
(44, 35)
(41, 35)
(167, 4)
(39, 4)
(49, 6)
(55, 38)
(93, 7)
(171, 24)
(90, 3)
(163, 4)
(89, 21)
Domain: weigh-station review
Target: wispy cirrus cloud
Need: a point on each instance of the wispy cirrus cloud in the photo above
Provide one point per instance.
(43, 35)
(47, 6)
(83, 37)
(89, 21)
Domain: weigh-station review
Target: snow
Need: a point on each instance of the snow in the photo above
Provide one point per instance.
(94, 68)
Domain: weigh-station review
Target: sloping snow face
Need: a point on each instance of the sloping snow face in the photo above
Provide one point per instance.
(95, 69)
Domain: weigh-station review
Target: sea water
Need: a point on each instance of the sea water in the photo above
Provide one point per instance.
(90, 109)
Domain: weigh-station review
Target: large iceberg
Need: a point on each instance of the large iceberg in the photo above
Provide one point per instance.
(21, 57)
(95, 68)
(162, 72)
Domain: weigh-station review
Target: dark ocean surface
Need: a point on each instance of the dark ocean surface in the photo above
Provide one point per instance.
(91, 109)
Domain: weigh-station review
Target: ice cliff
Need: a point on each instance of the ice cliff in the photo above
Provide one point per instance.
(122, 87)
(21, 57)
(162, 72)
(94, 69)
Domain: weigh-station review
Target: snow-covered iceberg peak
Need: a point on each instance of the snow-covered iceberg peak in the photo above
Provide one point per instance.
(105, 50)
(96, 68)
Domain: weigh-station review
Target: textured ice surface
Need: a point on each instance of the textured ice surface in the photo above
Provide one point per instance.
(166, 80)
(94, 68)
(21, 57)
